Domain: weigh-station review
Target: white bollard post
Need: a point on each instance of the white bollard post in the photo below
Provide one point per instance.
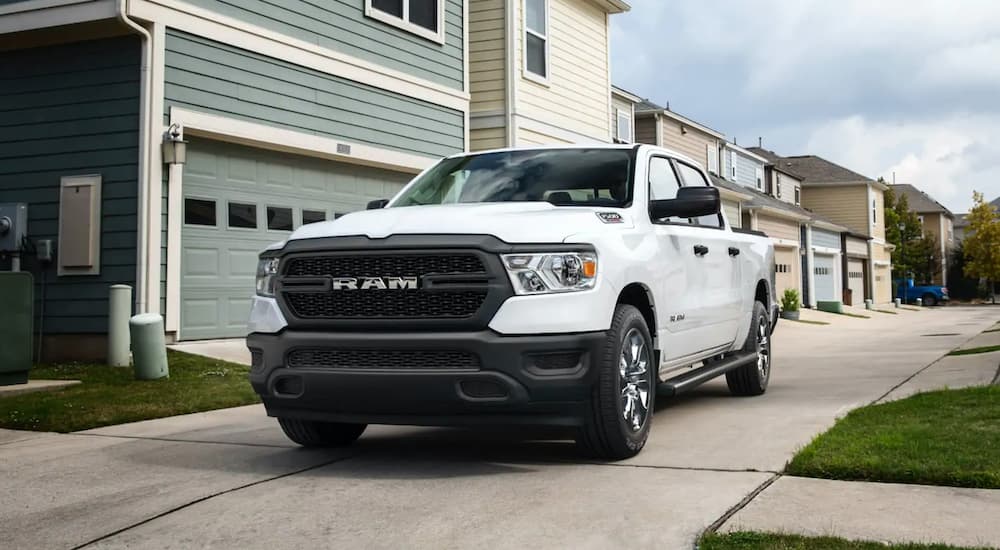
(119, 311)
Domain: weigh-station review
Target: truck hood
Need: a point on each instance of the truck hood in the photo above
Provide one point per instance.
(524, 222)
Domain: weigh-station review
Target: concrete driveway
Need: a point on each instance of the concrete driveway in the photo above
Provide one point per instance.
(229, 479)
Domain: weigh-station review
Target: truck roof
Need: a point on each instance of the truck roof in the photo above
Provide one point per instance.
(622, 146)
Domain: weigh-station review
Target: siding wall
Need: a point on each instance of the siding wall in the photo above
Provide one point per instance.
(645, 130)
(746, 169)
(487, 55)
(778, 228)
(73, 109)
(487, 138)
(577, 95)
(732, 209)
(694, 143)
(857, 247)
(787, 185)
(341, 25)
(883, 277)
(822, 237)
(530, 137)
(209, 76)
(844, 205)
(878, 229)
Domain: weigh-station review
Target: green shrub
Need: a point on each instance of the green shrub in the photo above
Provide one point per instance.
(790, 300)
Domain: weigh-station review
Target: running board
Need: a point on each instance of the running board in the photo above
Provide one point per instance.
(703, 374)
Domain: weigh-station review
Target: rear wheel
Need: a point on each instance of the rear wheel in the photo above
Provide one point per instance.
(929, 299)
(310, 433)
(752, 378)
(621, 405)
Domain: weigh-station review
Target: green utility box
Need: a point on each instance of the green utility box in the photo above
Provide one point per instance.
(16, 323)
(831, 307)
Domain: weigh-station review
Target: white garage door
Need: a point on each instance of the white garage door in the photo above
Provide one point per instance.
(786, 270)
(238, 200)
(856, 281)
(824, 278)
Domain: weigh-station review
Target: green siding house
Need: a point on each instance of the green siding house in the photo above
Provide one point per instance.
(293, 112)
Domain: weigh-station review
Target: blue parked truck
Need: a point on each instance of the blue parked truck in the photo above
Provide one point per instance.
(930, 295)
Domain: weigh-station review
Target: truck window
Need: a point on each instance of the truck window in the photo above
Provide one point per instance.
(692, 177)
(663, 184)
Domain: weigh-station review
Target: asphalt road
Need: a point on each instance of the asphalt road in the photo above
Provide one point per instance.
(229, 479)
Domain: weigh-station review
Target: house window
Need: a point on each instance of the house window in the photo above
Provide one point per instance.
(536, 38)
(874, 216)
(732, 165)
(424, 18)
(624, 125)
(712, 150)
(798, 195)
(313, 216)
(760, 179)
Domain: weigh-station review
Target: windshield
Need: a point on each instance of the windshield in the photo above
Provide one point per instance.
(564, 177)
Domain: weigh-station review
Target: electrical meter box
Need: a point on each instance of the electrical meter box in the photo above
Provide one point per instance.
(13, 225)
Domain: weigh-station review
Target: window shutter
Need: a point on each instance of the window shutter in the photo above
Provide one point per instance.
(732, 163)
(713, 158)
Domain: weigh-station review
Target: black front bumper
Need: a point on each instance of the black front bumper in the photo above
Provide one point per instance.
(508, 387)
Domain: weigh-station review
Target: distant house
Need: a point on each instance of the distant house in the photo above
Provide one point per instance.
(936, 221)
(623, 115)
(856, 202)
(539, 72)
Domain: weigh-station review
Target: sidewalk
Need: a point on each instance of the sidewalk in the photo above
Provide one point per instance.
(885, 512)
(889, 512)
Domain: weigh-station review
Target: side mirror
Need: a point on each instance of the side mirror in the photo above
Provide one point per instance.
(691, 202)
(377, 204)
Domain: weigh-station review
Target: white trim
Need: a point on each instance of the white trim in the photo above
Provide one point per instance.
(154, 197)
(510, 72)
(40, 14)
(465, 69)
(619, 113)
(626, 95)
(825, 250)
(811, 267)
(535, 125)
(183, 16)
(291, 141)
(658, 129)
(405, 24)
(785, 243)
(543, 80)
(610, 86)
(751, 154)
(175, 222)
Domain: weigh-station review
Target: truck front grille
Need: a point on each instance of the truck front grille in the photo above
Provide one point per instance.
(382, 304)
(396, 265)
(329, 358)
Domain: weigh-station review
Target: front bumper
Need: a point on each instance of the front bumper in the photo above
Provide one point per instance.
(514, 382)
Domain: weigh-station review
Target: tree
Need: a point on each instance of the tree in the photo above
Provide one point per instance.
(982, 243)
(915, 255)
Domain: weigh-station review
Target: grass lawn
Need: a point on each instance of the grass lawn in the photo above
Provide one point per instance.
(111, 395)
(767, 541)
(948, 437)
(973, 351)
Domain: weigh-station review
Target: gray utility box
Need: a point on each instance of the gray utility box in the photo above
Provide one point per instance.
(13, 225)
(16, 290)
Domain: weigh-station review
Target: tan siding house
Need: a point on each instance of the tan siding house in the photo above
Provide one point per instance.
(539, 72)
(846, 205)
(680, 134)
(937, 221)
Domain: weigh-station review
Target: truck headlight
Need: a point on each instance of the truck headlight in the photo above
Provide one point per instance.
(545, 273)
(267, 276)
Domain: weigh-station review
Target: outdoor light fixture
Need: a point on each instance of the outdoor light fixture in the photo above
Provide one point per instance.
(174, 146)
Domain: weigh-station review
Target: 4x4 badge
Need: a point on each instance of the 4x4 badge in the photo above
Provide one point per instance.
(610, 217)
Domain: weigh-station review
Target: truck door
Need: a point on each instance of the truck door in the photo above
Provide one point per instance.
(718, 264)
(679, 286)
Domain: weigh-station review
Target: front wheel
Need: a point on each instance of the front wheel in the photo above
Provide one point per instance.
(621, 405)
(929, 300)
(752, 378)
(310, 433)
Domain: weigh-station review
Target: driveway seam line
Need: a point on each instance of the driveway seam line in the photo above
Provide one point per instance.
(172, 440)
(715, 525)
(914, 375)
(205, 498)
(689, 468)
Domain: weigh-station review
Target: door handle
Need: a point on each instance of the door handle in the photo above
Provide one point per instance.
(700, 250)
(733, 251)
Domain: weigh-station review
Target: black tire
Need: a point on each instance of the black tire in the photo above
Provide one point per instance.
(606, 434)
(752, 378)
(929, 300)
(310, 433)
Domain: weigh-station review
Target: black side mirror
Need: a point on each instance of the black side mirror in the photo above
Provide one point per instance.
(691, 202)
(377, 204)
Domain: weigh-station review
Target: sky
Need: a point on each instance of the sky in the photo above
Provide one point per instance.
(910, 87)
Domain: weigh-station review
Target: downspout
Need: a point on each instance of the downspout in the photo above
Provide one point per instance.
(510, 110)
(145, 123)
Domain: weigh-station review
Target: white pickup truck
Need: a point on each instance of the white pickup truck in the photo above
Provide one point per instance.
(559, 286)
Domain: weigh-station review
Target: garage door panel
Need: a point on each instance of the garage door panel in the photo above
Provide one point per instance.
(219, 263)
(824, 278)
(786, 269)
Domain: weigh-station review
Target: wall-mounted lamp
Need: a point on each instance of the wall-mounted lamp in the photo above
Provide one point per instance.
(684, 129)
(174, 146)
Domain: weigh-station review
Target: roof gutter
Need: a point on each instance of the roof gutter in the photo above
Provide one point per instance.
(143, 277)
(777, 212)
